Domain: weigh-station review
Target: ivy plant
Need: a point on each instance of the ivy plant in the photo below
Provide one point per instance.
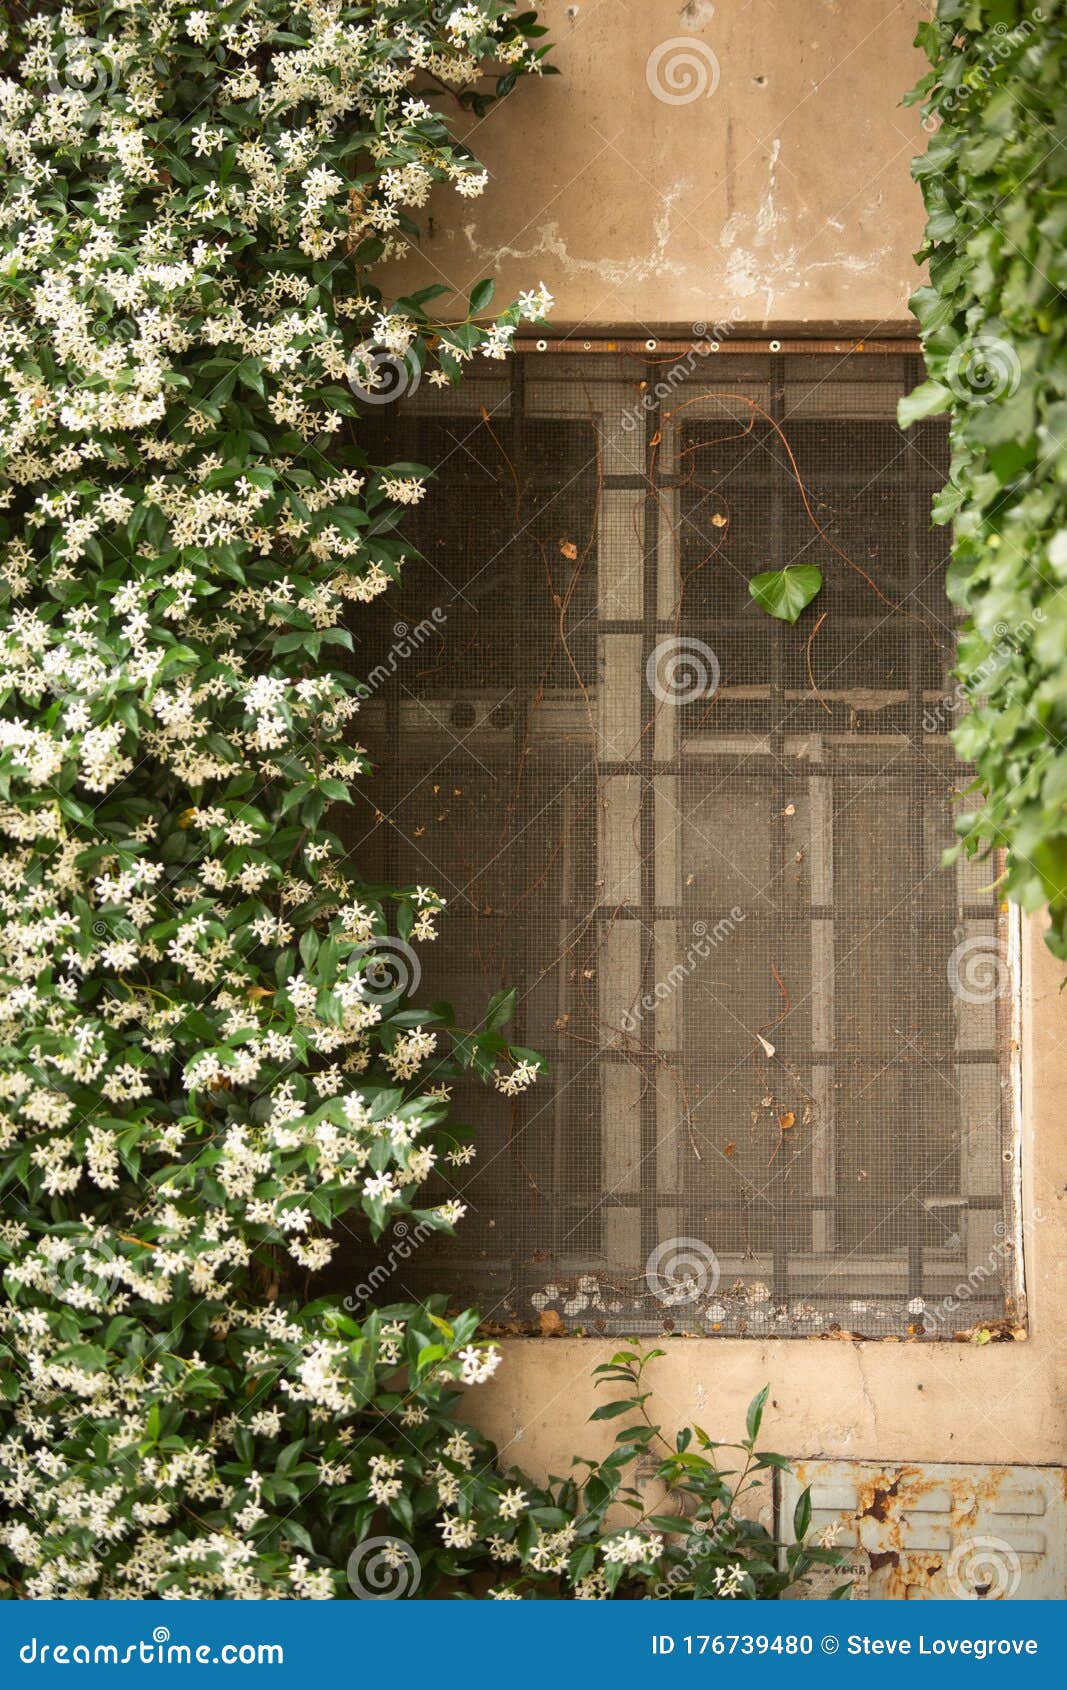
(994, 333)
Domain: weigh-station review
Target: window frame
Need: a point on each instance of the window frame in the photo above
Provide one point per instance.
(637, 634)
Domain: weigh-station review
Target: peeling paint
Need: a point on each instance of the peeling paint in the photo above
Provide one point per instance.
(551, 243)
(782, 272)
(940, 1530)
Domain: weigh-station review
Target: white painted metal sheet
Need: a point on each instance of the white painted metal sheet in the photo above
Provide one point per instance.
(918, 1531)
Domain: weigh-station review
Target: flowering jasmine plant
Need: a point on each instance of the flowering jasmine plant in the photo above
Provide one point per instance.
(202, 1072)
(210, 1067)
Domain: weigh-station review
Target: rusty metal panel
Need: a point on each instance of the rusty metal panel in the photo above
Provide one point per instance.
(915, 1532)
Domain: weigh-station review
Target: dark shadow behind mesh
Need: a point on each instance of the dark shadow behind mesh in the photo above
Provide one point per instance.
(807, 1128)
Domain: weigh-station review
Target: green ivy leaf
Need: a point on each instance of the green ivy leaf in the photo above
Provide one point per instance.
(929, 399)
(784, 593)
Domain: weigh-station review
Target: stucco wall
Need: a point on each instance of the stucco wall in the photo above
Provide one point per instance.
(783, 196)
(780, 192)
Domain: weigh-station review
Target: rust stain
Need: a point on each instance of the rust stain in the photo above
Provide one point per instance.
(878, 1507)
(893, 1497)
(900, 1579)
(879, 1558)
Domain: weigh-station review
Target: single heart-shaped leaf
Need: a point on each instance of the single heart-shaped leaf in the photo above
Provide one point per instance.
(785, 592)
(929, 399)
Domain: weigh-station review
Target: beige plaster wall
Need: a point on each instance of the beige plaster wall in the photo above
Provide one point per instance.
(781, 192)
(783, 195)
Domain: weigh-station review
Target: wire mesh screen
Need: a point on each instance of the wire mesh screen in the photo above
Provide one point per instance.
(703, 843)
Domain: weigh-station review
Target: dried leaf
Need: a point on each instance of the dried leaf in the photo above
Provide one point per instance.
(787, 1120)
(768, 1047)
(569, 549)
(551, 1324)
(718, 520)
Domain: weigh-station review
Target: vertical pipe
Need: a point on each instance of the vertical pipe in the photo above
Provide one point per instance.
(650, 600)
(776, 821)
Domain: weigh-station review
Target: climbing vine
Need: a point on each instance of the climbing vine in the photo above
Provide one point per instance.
(994, 333)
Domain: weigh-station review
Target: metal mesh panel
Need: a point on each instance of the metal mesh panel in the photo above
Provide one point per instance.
(704, 845)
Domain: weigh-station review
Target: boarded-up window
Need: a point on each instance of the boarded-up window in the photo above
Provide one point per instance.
(704, 845)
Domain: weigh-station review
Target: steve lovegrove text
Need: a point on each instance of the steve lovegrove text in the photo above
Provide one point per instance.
(982, 1648)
